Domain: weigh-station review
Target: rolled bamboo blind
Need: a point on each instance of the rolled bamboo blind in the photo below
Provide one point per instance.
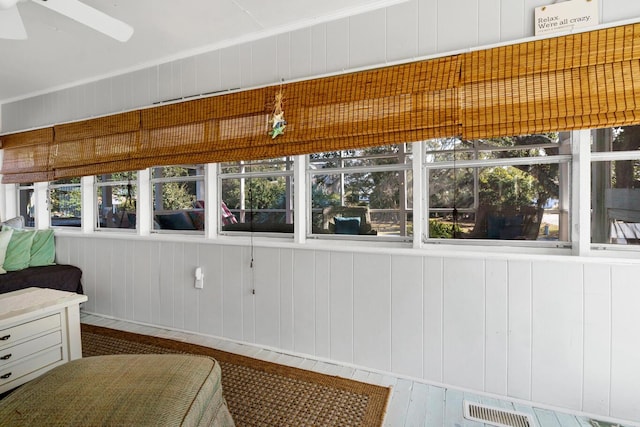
(577, 81)
(417, 100)
(26, 156)
(86, 147)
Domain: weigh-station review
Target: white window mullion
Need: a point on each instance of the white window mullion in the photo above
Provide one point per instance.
(581, 192)
(89, 203)
(212, 201)
(420, 219)
(10, 209)
(42, 208)
(143, 205)
(3, 192)
(301, 210)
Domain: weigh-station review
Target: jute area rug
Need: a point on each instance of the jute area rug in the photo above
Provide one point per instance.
(261, 393)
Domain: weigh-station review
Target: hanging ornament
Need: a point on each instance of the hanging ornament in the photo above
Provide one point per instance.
(278, 123)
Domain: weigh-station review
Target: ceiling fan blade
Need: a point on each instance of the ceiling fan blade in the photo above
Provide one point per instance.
(90, 17)
(11, 26)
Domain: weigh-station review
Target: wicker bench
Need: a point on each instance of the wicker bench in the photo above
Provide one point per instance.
(123, 390)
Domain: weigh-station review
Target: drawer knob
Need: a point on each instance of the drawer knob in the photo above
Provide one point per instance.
(4, 338)
(6, 357)
(5, 376)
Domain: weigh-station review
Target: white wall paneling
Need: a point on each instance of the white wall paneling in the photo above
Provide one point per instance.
(625, 345)
(557, 334)
(304, 307)
(318, 49)
(367, 39)
(286, 299)
(497, 326)
(230, 68)
(372, 310)
(284, 56)
(489, 22)
(457, 30)
(266, 280)
(557, 331)
(300, 46)
(208, 73)
(407, 314)
(402, 31)
(247, 72)
(464, 322)
(211, 296)
(341, 306)
(264, 56)
(322, 308)
(232, 293)
(433, 297)
(519, 326)
(597, 333)
(337, 45)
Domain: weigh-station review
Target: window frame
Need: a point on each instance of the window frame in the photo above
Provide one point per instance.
(406, 167)
(580, 160)
(477, 163)
(596, 157)
(188, 178)
(26, 187)
(51, 186)
(290, 206)
(98, 184)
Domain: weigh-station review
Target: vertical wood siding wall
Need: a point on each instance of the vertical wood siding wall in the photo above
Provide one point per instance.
(409, 30)
(562, 332)
(558, 331)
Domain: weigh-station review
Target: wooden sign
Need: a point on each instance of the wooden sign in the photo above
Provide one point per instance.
(566, 16)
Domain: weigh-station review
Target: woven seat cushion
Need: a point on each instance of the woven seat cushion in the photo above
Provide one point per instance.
(123, 390)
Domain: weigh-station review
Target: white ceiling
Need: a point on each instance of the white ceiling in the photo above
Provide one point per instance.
(60, 51)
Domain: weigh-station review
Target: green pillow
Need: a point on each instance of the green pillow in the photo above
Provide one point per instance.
(19, 250)
(5, 237)
(43, 249)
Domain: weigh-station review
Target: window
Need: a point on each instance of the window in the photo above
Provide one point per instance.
(65, 203)
(27, 204)
(363, 192)
(257, 196)
(509, 188)
(116, 200)
(178, 197)
(615, 186)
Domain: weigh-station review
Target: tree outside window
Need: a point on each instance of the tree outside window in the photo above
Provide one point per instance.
(116, 200)
(362, 192)
(509, 188)
(257, 196)
(65, 203)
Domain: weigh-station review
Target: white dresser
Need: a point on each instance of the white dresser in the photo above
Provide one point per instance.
(39, 330)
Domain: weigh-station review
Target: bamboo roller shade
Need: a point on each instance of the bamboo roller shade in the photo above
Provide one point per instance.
(579, 81)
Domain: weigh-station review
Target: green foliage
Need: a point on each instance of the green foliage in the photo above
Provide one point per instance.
(321, 198)
(260, 193)
(442, 230)
(506, 186)
(65, 200)
(178, 195)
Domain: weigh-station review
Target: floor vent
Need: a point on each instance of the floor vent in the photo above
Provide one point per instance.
(496, 416)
